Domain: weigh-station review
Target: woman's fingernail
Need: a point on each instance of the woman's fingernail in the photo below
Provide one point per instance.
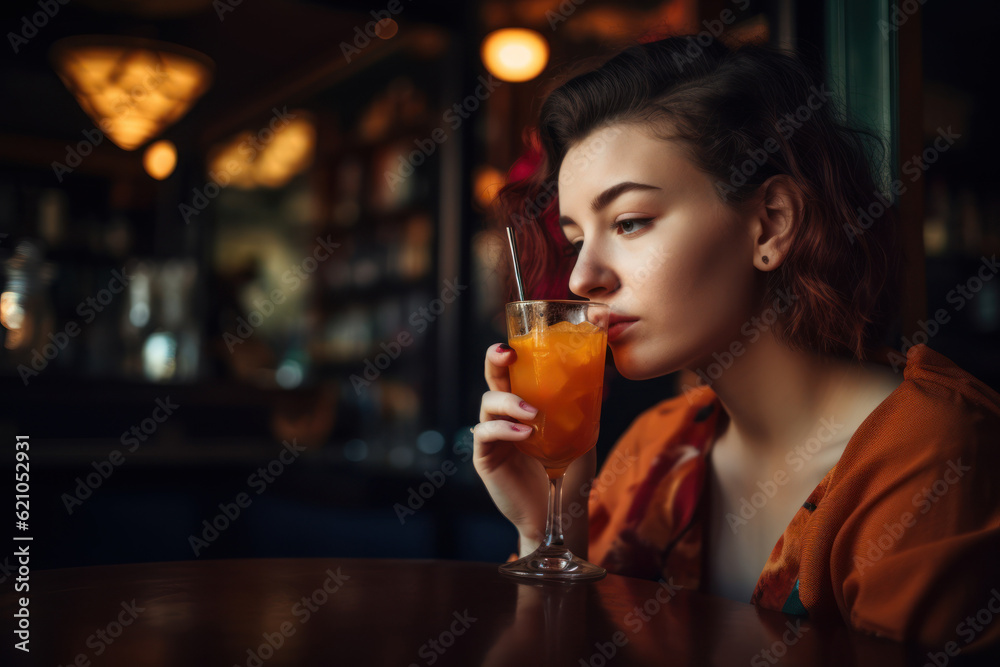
(520, 428)
(504, 347)
(527, 408)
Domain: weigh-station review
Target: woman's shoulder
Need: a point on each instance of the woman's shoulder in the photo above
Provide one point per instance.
(680, 421)
(938, 413)
(933, 379)
(909, 520)
(938, 395)
(670, 415)
(650, 481)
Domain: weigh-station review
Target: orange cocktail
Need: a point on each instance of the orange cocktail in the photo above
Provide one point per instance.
(560, 349)
(560, 371)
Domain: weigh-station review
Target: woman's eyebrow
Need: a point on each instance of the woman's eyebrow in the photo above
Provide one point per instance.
(602, 200)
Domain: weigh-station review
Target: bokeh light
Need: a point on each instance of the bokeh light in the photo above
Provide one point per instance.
(515, 54)
(160, 159)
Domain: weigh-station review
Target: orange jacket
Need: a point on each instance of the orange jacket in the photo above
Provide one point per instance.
(900, 539)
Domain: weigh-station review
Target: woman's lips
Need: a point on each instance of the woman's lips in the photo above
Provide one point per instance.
(618, 326)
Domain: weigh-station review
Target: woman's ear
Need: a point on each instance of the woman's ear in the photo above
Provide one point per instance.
(776, 215)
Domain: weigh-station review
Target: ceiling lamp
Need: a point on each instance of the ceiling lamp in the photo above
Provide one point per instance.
(515, 54)
(132, 89)
(266, 158)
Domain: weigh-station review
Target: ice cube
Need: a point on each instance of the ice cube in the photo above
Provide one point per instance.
(551, 378)
(567, 418)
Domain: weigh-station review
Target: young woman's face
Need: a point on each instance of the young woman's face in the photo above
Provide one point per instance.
(659, 246)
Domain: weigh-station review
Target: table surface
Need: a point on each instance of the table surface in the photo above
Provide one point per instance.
(403, 612)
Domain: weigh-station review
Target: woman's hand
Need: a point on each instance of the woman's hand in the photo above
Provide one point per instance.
(517, 482)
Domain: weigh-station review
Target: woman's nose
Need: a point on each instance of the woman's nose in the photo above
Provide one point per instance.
(592, 276)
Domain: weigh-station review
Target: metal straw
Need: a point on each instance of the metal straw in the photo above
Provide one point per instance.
(517, 266)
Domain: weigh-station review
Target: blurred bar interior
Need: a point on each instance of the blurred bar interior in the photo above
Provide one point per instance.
(228, 225)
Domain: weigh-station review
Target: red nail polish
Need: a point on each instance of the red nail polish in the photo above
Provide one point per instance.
(520, 428)
(504, 347)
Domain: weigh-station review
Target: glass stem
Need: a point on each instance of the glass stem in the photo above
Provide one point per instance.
(553, 525)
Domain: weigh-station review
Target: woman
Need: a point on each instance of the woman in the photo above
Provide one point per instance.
(712, 198)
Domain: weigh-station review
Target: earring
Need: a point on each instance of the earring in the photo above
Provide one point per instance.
(764, 259)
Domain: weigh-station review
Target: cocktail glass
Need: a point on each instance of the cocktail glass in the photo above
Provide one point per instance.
(561, 346)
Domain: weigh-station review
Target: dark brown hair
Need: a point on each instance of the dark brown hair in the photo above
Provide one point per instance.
(743, 115)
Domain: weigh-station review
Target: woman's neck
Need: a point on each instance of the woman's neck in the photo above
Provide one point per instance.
(776, 397)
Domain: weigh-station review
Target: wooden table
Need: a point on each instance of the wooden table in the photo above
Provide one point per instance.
(398, 612)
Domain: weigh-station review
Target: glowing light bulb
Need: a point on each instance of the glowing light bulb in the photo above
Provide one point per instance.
(160, 159)
(515, 54)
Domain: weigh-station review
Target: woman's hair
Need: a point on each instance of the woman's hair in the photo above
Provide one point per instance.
(743, 115)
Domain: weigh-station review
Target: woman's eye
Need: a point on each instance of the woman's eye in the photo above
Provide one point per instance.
(632, 225)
